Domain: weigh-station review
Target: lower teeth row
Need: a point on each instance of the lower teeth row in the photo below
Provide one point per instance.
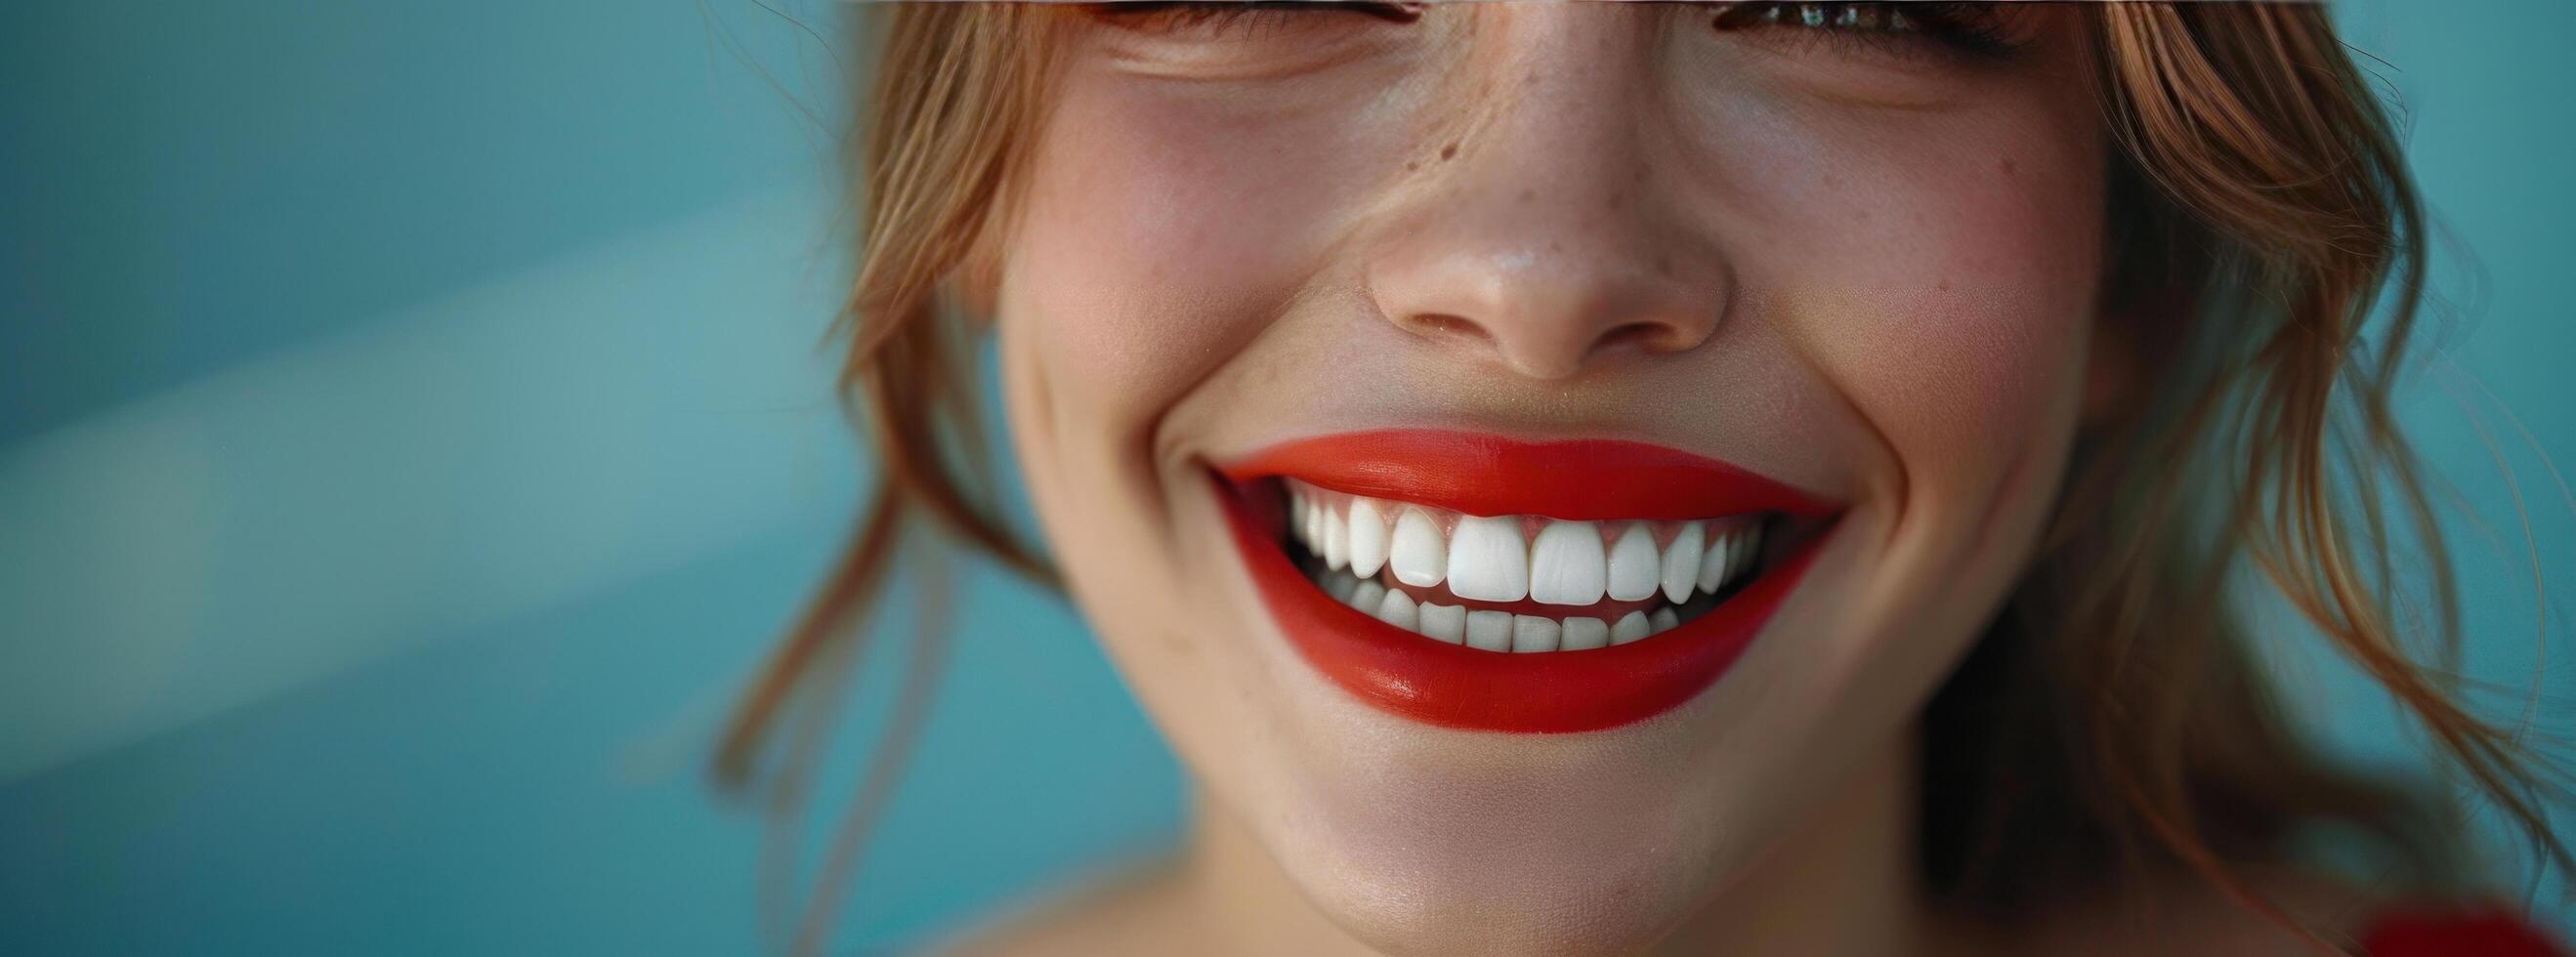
(1501, 630)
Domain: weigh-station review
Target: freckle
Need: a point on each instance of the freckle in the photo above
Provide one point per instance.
(1617, 200)
(2008, 167)
(1555, 247)
(1410, 166)
(1449, 151)
(1944, 286)
(1663, 264)
(1528, 194)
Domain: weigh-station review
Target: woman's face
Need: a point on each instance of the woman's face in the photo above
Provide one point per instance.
(1535, 461)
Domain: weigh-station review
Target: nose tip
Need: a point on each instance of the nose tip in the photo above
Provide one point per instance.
(1555, 231)
(1550, 316)
(1561, 348)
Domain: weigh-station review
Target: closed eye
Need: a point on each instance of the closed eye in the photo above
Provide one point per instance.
(1219, 20)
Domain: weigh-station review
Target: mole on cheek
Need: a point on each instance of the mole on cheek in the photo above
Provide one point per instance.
(1448, 151)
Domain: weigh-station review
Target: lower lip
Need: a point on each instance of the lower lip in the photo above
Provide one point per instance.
(1456, 686)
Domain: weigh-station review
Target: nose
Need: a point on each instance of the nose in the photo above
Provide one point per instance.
(1542, 234)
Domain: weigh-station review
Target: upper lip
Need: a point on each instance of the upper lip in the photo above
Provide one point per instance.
(1485, 474)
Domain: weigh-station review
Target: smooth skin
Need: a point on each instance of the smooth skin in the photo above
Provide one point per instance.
(1869, 269)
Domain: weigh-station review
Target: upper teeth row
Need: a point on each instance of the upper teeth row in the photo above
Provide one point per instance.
(1491, 559)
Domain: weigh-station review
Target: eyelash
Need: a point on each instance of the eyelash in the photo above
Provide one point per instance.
(1970, 28)
(1966, 27)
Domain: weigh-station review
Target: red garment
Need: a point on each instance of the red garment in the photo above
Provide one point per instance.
(2456, 933)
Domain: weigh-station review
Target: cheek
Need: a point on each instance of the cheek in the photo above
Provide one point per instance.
(1161, 235)
(1948, 291)
(1986, 377)
(1962, 384)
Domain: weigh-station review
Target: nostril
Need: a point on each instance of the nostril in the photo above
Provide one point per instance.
(1650, 336)
(1445, 325)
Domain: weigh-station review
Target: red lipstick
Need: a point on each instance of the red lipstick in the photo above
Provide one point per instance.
(1457, 686)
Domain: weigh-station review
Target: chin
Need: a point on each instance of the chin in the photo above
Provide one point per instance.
(1554, 880)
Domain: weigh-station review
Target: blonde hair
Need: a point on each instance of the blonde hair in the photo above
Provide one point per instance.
(2116, 720)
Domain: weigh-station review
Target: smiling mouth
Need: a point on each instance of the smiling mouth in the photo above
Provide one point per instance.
(1517, 583)
(1482, 582)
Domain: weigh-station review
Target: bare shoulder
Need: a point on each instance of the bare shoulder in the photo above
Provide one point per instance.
(2188, 916)
(1135, 910)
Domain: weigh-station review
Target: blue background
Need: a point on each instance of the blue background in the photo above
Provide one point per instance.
(413, 428)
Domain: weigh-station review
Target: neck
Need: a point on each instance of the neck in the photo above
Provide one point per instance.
(1843, 881)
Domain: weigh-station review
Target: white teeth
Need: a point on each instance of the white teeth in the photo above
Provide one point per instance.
(1533, 633)
(1634, 571)
(1489, 630)
(1631, 627)
(1418, 554)
(1566, 565)
(1712, 563)
(1397, 609)
(1366, 597)
(1445, 622)
(1487, 560)
(1730, 554)
(1341, 587)
(1681, 562)
(1367, 538)
(1583, 634)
